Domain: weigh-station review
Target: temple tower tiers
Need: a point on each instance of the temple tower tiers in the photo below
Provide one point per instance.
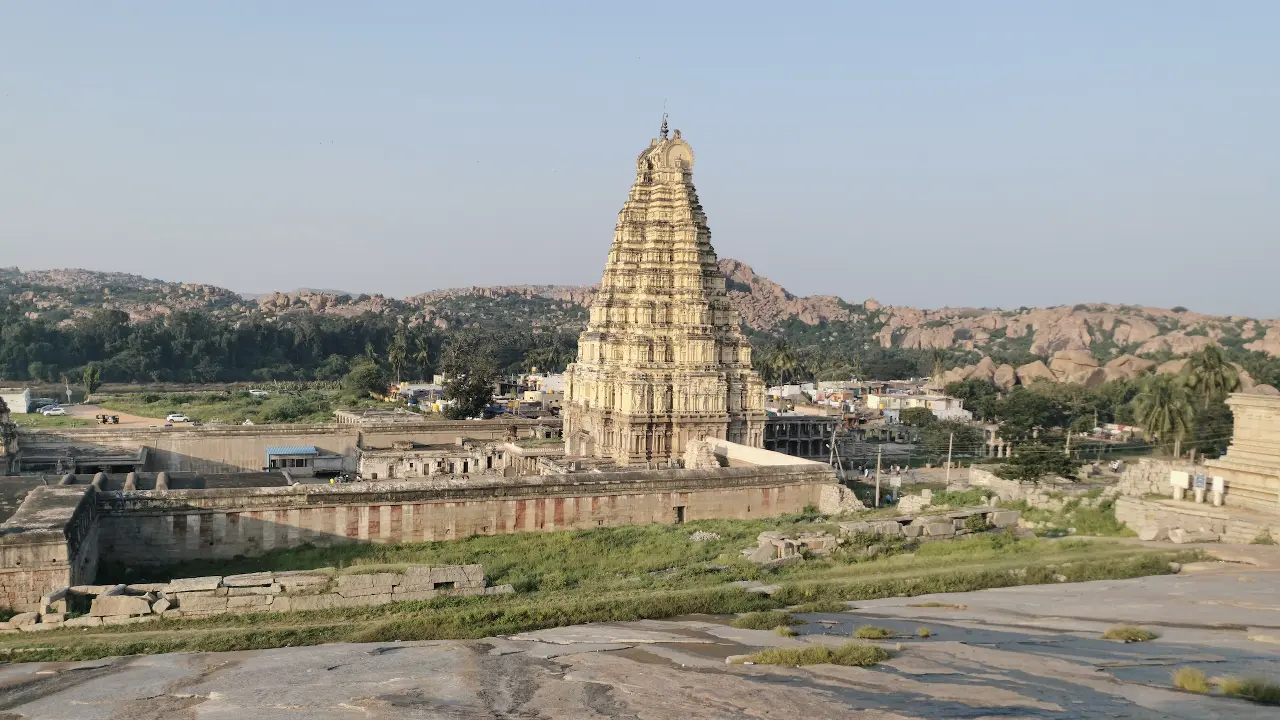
(662, 361)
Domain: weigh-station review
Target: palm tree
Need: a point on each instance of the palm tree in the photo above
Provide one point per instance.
(783, 362)
(397, 353)
(422, 353)
(1210, 375)
(1163, 409)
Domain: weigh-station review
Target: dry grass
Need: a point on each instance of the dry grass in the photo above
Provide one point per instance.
(820, 606)
(871, 632)
(923, 631)
(1256, 689)
(1190, 679)
(855, 654)
(766, 620)
(1129, 634)
(785, 631)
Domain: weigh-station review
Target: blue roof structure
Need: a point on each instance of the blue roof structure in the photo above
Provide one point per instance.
(292, 450)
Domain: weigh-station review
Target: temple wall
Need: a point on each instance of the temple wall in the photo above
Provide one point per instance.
(159, 528)
(49, 543)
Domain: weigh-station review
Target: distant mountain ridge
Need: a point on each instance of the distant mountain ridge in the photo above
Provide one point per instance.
(1104, 330)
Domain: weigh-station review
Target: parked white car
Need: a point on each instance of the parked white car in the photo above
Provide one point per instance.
(177, 417)
(53, 412)
(259, 393)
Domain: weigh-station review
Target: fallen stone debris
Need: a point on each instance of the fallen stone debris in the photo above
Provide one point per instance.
(290, 591)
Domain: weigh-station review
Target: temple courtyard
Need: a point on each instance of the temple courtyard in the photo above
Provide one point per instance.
(1022, 652)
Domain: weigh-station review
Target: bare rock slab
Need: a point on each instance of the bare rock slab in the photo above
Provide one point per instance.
(193, 584)
(119, 605)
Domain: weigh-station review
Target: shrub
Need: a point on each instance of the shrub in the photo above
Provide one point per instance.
(923, 631)
(976, 523)
(785, 631)
(1129, 633)
(854, 654)
(1264, 538)
(820, 606)
(1252, 688)
(766, 620)
(1190, 679)
(871, 632)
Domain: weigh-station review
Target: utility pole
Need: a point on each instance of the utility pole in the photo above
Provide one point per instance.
(878, 449)
(1066, 450)
(950, 439)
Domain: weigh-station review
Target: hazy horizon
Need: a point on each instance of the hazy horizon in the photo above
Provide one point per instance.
(986, 155)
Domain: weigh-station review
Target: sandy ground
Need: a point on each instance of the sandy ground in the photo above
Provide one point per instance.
(126, 420)
(1030, 652)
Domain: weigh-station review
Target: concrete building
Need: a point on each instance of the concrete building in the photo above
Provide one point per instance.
(800, 435)
(943, 407)
(663, 361)
(18, 399)
(406, 460)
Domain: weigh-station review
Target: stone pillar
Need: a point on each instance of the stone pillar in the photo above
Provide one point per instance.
(67, 479)
(131, 481)
(99, 481)
(1199, 494)
(1219, 490)
(162, 481)
(1181, 482)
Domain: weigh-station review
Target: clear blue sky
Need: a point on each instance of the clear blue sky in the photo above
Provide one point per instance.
(924, 153)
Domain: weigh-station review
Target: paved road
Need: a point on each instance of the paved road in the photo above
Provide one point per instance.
(1028, 652)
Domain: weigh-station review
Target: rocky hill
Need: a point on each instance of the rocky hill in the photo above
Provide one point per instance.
(1107, 333)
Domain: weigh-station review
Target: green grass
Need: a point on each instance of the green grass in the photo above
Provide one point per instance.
(961, 498)
(1257, 689)
(854, 654)
(871, 632)
(1096, 521)
(923, 631)
(1190, 679)
(1129, 633)
(1264, 538)
(785, 631)
(600, 575)
(311, 406)
(36, 421)
(766, 620)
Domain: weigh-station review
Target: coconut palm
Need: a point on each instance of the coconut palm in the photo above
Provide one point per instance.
(397, 354)
(1210, 375)
(422, 353)
(1163, 409)
(783, 362)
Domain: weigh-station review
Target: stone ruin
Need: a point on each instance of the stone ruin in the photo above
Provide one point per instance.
(773, 548)
(257, 592)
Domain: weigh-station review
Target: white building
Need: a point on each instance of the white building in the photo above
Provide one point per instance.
(943, 407)
(18, 399)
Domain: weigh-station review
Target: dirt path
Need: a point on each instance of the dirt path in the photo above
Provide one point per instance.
(87, 412)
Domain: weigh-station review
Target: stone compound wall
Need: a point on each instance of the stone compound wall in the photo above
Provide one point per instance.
(1163, 519)
(1047, 495)
(51, 541)
(250, 593)
(1150, 476)
(158, 528)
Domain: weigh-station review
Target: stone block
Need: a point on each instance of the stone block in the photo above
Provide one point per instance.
(854, 527)
(363, 600)
(889, 527)
(171, 614)
(370, 580)
(40, 627)
(53, 617)
(314, 602)
(89, 589)
(1004, 518)
(126, 605)
(179, 597)
(160, 606)
(114, 590)
(52, 597)
(303, 583)
(248, 580)
(203, 604)
(127, 620)
(83, 621)
(141, 588)
(242, 601)
(183, 585)
(940, 529)
(912, 531)
(500, 590)
(1181, 536)
(26, 618)
(282, 603)
(258, 590)
(1154, 533)
(762, 554)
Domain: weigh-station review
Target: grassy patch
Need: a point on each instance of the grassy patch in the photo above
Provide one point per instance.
(785, 631)
(1129, 633)
(923, 631)
(855, 654)
(960, 498)
(310, 406)
(1256, 689)
(1190, 679)
(871, 632)
(36, 421)
(766, 620)
(1097, 521)
(821, 606)
(1264, 538)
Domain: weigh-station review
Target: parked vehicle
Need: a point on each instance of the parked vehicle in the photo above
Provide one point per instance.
(259, 393)
(177, 418)
(53, 412)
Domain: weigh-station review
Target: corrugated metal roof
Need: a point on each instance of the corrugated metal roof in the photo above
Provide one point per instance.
(292, 450)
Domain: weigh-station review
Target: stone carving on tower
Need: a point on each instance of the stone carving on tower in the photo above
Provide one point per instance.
(663, 361)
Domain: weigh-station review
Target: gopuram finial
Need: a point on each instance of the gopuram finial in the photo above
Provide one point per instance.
(663, 132)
